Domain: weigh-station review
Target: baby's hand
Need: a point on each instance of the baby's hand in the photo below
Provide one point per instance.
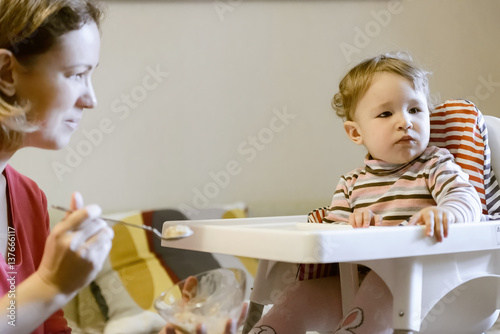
(436, 220)
(364, 218)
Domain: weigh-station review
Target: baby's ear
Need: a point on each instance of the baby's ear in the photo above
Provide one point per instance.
(6, 72)
(353, 132)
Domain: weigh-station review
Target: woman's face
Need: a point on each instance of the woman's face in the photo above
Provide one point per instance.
(58, 86)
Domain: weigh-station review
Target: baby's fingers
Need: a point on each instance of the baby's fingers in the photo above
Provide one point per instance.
(424, 219)
(441, 228)
(352, 220)
(360, 218)
(429, 223)
(367, 218)
(415, 219)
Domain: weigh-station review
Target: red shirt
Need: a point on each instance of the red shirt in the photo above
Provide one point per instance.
(28, 229)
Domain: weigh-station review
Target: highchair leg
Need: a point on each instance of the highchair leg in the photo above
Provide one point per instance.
(349, 284)
(271, 279)
(406, 289)
(407, 294)
(253, 316)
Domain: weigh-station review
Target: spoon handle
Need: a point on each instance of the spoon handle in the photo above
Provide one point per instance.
(109, 220)
(157, 233)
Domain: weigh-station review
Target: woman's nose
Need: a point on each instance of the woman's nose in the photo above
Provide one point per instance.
(88, 99)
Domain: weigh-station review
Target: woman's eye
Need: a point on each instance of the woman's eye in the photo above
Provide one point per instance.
(77, 76)
(385, 114)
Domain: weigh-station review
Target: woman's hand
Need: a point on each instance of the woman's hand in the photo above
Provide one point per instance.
(200, 329)
(76, 248)
(231, 326)
(189, 291)
(436, 220)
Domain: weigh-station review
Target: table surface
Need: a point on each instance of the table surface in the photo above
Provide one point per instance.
(290, 239)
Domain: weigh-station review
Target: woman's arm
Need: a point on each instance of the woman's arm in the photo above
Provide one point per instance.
(74, 253)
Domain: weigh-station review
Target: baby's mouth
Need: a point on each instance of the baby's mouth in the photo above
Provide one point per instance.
(406, 139)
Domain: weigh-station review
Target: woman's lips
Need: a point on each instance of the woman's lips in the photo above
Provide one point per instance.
(72, 123)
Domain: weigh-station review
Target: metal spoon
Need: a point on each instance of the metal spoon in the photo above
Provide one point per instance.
(186, 231)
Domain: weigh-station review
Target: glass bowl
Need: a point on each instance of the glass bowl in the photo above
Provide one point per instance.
(209, 298)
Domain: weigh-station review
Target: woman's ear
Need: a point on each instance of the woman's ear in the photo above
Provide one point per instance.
(353, 132)
(7, 61)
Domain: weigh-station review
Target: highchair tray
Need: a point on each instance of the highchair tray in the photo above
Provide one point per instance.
(289, 239)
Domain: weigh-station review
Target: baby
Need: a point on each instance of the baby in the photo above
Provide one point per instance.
(385, 104)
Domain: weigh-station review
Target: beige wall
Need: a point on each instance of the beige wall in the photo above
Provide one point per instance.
(239, 91)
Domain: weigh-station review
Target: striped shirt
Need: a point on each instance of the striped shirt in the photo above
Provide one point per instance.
(397, 192)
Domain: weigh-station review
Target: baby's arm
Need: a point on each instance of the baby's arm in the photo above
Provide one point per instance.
(457, 200)
(340, 209)
(341, 212)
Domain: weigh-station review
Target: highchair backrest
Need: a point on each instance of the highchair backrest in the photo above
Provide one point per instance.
(493, 125)
(459, 126)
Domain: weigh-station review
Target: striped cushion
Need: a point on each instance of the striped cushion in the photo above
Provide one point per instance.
(458, 126)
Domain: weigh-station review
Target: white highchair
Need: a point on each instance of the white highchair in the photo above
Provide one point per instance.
(451, 287)
(456, 292)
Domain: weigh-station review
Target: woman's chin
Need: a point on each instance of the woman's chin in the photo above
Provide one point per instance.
(54, 145)
(59, 145)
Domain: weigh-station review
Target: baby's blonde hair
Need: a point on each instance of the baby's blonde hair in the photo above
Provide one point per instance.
(357, 81)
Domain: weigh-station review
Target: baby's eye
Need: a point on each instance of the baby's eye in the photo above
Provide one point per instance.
(415, 110)
(385, 114)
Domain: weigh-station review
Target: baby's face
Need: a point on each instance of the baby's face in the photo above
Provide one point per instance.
(392, 119)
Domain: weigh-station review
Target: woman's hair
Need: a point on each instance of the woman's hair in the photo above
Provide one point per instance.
(29, 28)
(357, 81)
